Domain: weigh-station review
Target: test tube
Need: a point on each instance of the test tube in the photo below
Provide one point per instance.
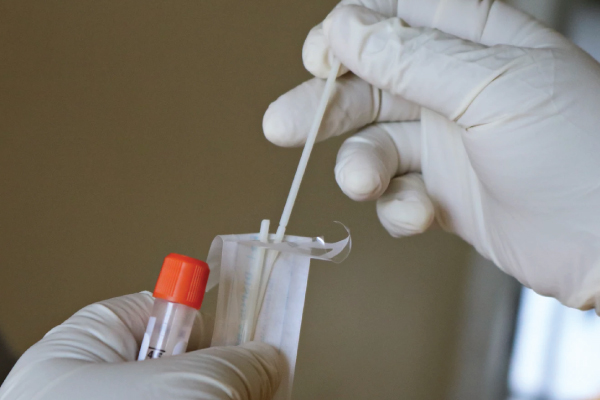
(178, 296)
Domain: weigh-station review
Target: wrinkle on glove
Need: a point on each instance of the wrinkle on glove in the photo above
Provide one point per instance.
(92, 356)
(509, 131)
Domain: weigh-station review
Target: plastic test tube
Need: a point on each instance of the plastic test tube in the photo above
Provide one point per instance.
(178, 296)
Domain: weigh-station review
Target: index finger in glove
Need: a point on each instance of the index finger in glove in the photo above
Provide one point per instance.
(355, 103)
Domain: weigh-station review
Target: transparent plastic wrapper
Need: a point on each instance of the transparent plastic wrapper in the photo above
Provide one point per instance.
(232, 260)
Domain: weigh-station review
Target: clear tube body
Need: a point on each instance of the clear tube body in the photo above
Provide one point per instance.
(168, 330)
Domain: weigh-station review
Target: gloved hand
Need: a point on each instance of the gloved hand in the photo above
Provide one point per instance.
(91, 356)
(471, 111)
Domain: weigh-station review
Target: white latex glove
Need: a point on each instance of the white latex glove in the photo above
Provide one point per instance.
(92, 356)
(503, 143)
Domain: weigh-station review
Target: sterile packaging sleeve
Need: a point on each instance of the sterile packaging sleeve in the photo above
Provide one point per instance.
(232, 261)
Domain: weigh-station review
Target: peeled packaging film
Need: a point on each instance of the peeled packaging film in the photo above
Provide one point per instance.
(274, 316)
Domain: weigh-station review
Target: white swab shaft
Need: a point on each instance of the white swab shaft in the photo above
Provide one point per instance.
(291, 199)
(310, 142)
(249, 322)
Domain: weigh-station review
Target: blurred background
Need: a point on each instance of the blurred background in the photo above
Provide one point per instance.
(132, 129)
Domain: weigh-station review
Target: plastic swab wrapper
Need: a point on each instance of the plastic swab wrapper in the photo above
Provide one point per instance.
(262, 278)
(232, 259)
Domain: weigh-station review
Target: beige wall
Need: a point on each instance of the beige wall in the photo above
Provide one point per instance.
(131, 129)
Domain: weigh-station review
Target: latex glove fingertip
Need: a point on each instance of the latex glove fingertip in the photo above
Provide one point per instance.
(405, 209)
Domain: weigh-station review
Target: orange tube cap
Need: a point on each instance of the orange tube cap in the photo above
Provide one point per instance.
(182, 280)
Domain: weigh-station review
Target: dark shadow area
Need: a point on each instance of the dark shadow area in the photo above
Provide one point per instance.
(7, 359)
